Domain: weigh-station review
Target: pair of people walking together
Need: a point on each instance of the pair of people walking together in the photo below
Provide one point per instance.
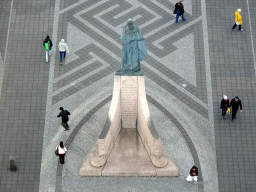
(235, 104)
(63, 48)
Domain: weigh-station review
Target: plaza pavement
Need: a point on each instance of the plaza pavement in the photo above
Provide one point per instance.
(188, 68)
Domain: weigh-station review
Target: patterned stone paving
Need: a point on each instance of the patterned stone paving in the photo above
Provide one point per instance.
(188, 68)
(92, 30)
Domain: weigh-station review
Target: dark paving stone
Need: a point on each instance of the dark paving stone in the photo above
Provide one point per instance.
(24, 92)
(232, 69)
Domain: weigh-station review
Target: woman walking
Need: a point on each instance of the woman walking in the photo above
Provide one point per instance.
(238, 20)
(63, 48)
(61, 151)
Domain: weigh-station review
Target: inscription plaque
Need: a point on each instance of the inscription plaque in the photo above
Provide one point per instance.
(129, 102)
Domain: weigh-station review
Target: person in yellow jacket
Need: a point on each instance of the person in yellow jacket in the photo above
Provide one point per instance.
(238, 20)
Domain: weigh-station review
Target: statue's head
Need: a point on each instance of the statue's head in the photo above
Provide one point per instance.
(130, 23)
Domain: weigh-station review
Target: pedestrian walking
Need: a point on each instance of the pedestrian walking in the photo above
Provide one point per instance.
(193, 174)
(238, 20)
(47, 46)
(64, 115)
(63, 49)
(61, 151)
(179, 11)
(235, 104)
(224, 105)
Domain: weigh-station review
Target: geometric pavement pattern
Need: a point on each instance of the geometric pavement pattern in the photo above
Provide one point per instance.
(92, 24)
(97, 52)
(92, 30)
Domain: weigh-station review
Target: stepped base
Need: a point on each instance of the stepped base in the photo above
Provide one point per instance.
(129, 158)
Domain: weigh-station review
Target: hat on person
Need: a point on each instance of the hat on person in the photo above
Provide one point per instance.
(62, 40)
(239, 10)
(236, 98)
(225, 97)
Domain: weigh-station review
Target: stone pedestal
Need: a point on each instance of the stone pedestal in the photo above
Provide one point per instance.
(123, 150)
(129, 101)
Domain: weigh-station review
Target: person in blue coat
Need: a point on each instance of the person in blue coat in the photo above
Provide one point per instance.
(179, 9)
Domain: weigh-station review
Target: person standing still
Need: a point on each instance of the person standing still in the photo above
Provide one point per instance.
(235, 104)
(64, 115)
(47, 46)
(238, 20)
(224, 104)
(179, 8)
(61, 151)
(63, 49)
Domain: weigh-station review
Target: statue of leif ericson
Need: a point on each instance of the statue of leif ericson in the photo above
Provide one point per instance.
(133, 51)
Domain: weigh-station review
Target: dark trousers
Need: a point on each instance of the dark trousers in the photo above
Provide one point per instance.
(224, 110)
(65, 125)
(62, 53)
(236, 25)
(234, 114)
(62, 157)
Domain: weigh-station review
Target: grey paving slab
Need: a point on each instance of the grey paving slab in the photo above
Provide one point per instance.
(222, 62)
(233, 67)
(23, 97)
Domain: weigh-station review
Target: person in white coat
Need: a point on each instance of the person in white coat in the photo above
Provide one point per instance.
(63, 48)
(61, 151)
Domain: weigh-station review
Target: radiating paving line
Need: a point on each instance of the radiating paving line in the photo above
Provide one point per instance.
(77, 68)
(2, 62)
(72, 6)
(179, 87)
(250, 24)
(104, 66)
(159, 28)
(118, 29)
(156, 43)
(79, 18)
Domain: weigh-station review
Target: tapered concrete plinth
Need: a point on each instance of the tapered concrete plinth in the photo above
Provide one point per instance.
(129, 158)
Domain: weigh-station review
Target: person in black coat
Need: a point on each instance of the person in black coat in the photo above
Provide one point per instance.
(47, 40)
(179, 9)
(224, 104)
(235, 104)
(64, 115)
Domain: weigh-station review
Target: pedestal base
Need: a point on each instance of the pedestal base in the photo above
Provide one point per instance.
(129, 158)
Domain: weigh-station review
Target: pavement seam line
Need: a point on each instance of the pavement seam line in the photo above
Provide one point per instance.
(6, 46)
(251, 35)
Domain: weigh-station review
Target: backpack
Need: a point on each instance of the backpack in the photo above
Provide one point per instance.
(47, 46)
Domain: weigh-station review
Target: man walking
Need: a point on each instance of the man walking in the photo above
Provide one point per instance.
(235, 104)
(179, 9)
(238, 20)
(48, 46)
(64, 115)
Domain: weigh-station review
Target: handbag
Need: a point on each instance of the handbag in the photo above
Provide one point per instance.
(57, 151)
(174, 12)
(228, 111)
